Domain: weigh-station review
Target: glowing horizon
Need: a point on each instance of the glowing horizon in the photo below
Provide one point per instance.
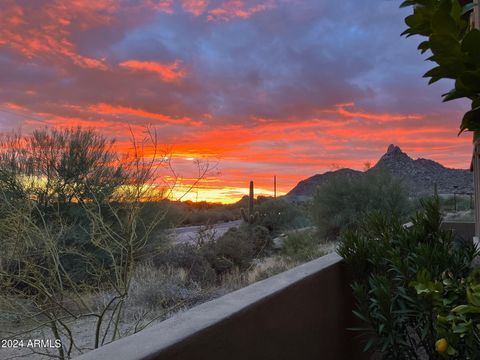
(263, 87)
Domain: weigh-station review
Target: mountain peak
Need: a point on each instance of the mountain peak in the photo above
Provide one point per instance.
(418, 176)
(393, 148)
(394, 154)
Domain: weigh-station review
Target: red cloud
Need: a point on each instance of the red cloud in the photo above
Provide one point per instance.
(166, 72)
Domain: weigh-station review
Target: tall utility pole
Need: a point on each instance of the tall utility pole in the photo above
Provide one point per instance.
(274, 186)
(476, 144)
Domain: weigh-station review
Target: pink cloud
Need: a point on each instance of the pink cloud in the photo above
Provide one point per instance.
(195, 7)
(165, 6)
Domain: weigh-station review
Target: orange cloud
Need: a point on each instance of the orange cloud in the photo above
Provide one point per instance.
(237, 9)
(166, 72)
(107, 109)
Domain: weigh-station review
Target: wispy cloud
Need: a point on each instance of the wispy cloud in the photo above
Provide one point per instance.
(107, 109)
(237, 9)
(166, 72)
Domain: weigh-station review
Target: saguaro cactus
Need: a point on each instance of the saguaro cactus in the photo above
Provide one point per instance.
(251, 217)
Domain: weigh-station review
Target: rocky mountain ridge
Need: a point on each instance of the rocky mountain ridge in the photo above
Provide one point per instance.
(418, 176)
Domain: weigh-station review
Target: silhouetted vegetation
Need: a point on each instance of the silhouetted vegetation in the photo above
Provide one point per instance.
(73, 222)
(345, 202)
(279, 215)
(83, 240)
(188, 213)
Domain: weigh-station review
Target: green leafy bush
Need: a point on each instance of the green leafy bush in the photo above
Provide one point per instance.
(237, 248)
(453, 45)
(344, 202)
(301, 246)
(278, 215)
(401, 277)
(230, 250)
(456, 303)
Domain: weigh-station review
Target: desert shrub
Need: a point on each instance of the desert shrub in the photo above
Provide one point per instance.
(344, 202)
(406, 280)
(260, 238)
(232, 249)
(301, 246)
(208, 260)
(153, 288)
(271, 267)
(278, 215)
(191, 259)
(238, 247)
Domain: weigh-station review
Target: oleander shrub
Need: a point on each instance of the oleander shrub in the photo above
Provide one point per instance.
(408, 284)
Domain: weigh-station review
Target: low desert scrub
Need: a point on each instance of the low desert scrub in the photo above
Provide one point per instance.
(343, 203)
(208, 259)
(302, 246)
(260, 270)
(154, 289)
(190, 260)
(158, 290)
(76, 220)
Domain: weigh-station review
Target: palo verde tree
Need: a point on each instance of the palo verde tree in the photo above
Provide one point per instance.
(454, 47)
(60, 167)
(72, 228)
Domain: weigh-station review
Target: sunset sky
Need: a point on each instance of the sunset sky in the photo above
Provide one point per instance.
(262, 87)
